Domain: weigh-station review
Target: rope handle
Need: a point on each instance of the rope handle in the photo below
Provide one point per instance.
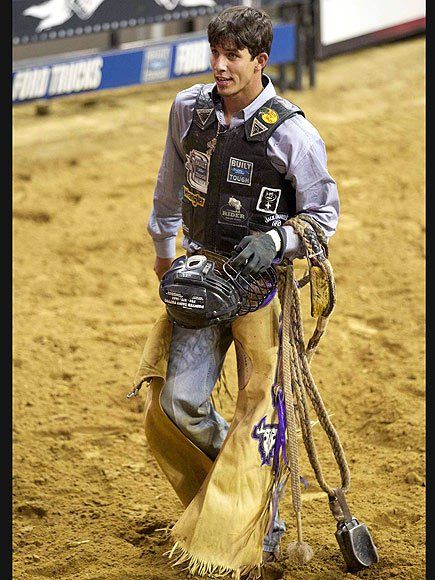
(315, 243)
(339, 494)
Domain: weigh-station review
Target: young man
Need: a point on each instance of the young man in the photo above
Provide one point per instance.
(239, 161)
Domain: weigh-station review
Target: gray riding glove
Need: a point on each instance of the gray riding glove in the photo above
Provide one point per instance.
(255, 254)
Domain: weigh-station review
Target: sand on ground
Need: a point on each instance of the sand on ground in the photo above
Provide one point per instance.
(88, 497)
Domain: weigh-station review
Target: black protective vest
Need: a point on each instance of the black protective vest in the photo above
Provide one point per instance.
(237, 190)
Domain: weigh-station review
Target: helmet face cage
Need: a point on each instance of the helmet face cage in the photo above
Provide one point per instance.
(254, 290)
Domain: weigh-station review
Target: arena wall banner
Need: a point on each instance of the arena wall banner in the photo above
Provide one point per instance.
(156, 61)
(347, 25)
(36, 20)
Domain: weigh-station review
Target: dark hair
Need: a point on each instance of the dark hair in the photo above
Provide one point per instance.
(242, 27)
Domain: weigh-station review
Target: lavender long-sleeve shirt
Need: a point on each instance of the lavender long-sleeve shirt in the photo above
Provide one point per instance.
(295, 149)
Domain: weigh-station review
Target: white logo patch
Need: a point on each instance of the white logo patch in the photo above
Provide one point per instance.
(268, 200)
(258, 128)
(197, 166)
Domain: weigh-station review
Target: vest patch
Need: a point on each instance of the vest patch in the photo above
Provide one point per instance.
(197, 170)
(257, 128)
(233, 211)
(277, 216)
(240, 171)
(268, 200)
(194, 198)
(268, 115)
(204, 115)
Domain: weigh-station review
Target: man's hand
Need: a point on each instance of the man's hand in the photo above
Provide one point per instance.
(255, 254)
(161, 265)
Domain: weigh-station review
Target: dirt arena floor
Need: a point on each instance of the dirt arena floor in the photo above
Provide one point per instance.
(88, 496)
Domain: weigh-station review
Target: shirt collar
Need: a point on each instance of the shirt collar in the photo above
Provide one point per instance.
(267, 93)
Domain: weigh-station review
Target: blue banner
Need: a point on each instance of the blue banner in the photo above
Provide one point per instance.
(157, 62)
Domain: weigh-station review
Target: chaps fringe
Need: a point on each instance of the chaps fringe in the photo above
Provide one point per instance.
(198, 567)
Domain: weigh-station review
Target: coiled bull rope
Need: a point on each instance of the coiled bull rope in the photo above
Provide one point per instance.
(295, 375)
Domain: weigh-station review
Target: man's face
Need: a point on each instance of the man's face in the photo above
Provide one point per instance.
(234, 70)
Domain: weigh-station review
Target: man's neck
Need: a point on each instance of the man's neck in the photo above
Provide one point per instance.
(237, 102)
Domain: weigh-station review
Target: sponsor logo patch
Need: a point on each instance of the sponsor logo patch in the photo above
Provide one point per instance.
(240, 171)
(233, 211)
(194, 198)
(268, 200)
(275, 219)
(269, 116)
(282, 217)
(197, 167)
(266, 435)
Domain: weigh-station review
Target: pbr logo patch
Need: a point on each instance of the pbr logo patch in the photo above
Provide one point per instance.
(198, 167)
(233, 211)
(240, 171)
(204, 115)
(266, 435)
(194, 198)
(257, 127)
(268, 200)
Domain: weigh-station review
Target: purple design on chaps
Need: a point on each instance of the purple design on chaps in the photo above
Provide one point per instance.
(280, 445)
(266, 435)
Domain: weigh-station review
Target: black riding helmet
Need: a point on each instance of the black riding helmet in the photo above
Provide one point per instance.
(199, 291)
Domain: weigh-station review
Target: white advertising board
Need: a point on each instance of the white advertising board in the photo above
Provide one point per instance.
(345, 19)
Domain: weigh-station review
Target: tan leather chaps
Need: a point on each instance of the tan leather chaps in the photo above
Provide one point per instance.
(228, 501)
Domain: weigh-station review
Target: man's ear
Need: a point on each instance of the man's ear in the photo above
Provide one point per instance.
(262, 59)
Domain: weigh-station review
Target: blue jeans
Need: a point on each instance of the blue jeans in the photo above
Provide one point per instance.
(195, 362)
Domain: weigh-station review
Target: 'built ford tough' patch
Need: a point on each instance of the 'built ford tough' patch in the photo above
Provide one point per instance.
(240, 171)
